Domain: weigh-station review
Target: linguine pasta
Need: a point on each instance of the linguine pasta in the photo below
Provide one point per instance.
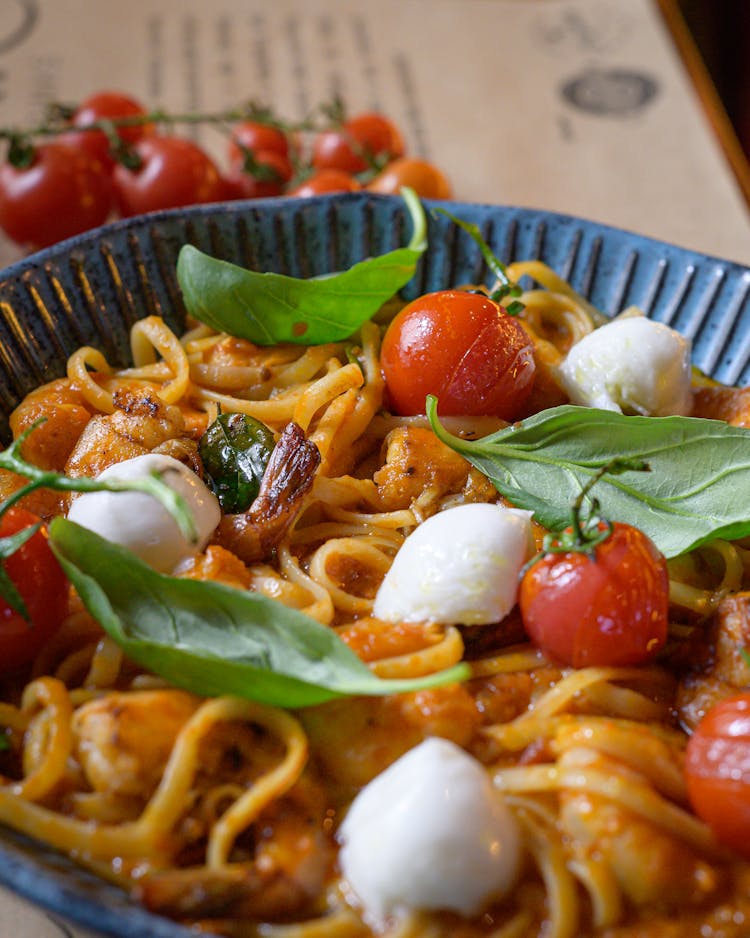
(222, 813)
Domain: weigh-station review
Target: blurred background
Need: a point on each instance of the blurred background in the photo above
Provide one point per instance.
(721, 30)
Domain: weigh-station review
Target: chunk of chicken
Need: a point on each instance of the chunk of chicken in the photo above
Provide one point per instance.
(720, 668)
(121, 747)
(420, 469)
(140, 423)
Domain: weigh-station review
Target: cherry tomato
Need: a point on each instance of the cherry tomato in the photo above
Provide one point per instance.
(257, 138)
(423, 177)
(462, 347)
(106, 105)
(174, 172)
(39, 579)
(609, 608)
(327, 180)
(65, 191)
(717, 771)
(247, 185)
(361, 141)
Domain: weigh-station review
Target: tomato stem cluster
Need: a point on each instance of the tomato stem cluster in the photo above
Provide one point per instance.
(587, 528)
(504, 286)
(58, 117)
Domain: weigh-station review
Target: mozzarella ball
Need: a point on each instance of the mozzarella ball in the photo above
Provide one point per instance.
(634, 365)
(139, 522)
(431, 832)
(459, 566)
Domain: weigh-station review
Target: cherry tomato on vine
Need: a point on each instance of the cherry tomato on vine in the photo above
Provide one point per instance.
(106, 105)
(362, 141)
(39, 579)
(257, 138)
(717, 771)
(327, 180)
(608, 606)
(463, 348)
(174, 171)
(420, 175)
(267, 175)
(63, 192)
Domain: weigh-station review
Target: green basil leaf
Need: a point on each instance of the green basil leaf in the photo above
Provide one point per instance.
(267, 308)
(4, 741)
(212, 639)
(235, 451)
(697, 489)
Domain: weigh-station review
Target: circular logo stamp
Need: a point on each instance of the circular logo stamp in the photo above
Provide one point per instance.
(610, 92)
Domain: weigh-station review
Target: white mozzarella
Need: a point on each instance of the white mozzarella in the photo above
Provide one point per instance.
(431, 832)
(632, 364)
(459, 566)
(137, 521)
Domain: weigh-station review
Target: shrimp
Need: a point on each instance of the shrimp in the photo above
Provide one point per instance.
(252, 536)
(121, 748)
(651, 867)
(719, 403)
(720, 668)
(356, 739)
(65, 413)
(140, 423)
(279, 869)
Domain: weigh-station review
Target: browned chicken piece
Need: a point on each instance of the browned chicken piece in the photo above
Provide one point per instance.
(420, 468)
(720, 668)
(731, 405)
(140, 423)
(65, 414)
(117, 753)
(652, 868)
(289, 476)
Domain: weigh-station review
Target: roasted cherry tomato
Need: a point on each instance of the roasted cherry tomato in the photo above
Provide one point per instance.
(327, 180)
(363, 141)
(608, 606)
(255, 138)
(107, 105)
(462, 347)
(63, 192)
(423, 177)
(266, 175)
(717, 771)
(173, 172)
(39, 579)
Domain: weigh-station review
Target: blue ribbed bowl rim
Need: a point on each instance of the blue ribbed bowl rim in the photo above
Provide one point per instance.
(90, 289)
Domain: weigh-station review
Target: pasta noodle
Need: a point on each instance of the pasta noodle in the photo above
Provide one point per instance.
(222, 813)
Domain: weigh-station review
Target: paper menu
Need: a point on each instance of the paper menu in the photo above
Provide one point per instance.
(578, 106)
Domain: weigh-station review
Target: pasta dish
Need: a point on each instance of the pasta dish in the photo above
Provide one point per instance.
(243, 816)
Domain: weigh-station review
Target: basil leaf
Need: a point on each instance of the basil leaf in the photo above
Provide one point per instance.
(212, 639)
(697, 489)
(235, 451)
(267, 308)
